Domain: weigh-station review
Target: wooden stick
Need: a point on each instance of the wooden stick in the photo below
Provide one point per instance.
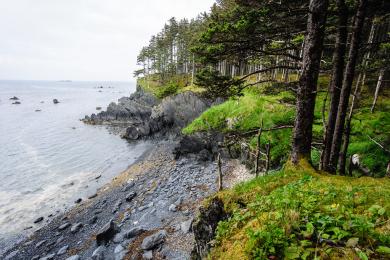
(220, 186)
(268, 149)
(258, 152)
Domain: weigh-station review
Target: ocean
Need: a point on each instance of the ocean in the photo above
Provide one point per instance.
(48, 157)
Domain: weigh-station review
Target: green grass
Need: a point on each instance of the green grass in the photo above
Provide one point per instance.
(298, 213)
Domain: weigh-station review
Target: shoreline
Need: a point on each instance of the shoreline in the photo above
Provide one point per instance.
(166, 194)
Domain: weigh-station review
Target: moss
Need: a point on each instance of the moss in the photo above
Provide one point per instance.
(300, 213)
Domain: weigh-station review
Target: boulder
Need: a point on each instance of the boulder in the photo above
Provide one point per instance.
(76, 227)
(38, 220)
(134, 232)
(14, 98)
(106, 233)
(154, 240)
(55, 101)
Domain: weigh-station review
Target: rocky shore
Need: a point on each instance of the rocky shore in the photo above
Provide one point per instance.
(147, 211)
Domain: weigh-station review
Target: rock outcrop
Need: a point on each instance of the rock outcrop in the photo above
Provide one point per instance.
(142, 114)
(205, 225)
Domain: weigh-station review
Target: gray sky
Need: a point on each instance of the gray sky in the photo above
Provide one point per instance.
(81, 39)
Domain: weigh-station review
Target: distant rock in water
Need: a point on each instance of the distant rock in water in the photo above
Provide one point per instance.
(98, 108)
(55, 101)
(14, 98)
(143, 114)
(38, 110)
(16, 103)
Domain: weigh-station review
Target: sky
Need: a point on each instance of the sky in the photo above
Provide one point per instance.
(82, 39)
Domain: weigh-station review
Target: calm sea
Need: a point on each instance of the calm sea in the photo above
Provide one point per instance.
(48, 158)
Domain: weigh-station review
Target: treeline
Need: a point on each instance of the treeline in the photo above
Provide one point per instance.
(169, 52)
(241, 43)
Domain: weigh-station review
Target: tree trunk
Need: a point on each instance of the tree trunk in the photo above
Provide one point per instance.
(347, 85)
(306, 92)
(337, 79)
(378, 87)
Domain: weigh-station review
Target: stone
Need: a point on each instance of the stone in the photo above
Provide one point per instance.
(16, 103)
(129, 185)
(48, 257)
(36, 257)
(38, 220)
(40, 243)
(73, 257)
(118, 238)
(93, 220)
(186, 226)
(106, 233)
(92, 196)
(148, 255)
(78, 201)
(118, 249)
(154, 240)
(131, 196)
(134, 232)
(63, 250)
(60, 239)
(55, 101)
(12, 255)
(64, 226)
(14, 98)
(76, 227)
(98, 254)
(172, 208)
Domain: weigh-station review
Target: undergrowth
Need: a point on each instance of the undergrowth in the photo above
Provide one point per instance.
(298, 213)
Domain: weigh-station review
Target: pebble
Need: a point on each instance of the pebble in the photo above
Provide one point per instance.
(73, 257)
(63, 250)
(38, 220)
(11, 255)
(76, 227)
(172, 208)
(64, 226)
(134, 232)
(148, 255)
(154, 240)
(93, 220)
(98, 254)
(40, 243)
(48, 257)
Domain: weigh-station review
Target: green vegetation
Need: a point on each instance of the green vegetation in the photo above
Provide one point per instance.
(243, 114)
(298, 213)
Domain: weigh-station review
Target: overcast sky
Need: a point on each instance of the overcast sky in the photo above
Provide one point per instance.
(81, 39)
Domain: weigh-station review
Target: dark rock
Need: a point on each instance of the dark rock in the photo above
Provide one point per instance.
(14, 98)
(38, 110)
(55, 101)
(76, 227)
(134, 232)
(16, 103)
(78, 201)
(131, 196)
(64, 226)
(106, 233)
(38, 220)
(92, 196)
(205, 225)
(154, 240)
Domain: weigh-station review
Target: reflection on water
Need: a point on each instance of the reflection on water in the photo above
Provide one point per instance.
(48, 158)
